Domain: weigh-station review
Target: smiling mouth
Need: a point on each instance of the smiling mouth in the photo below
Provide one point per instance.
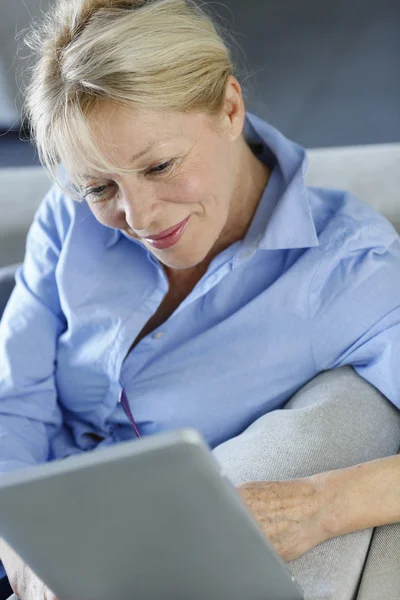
(165, 240)
(165, 233)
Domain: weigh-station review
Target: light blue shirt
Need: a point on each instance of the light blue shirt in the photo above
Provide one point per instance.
(314, 285)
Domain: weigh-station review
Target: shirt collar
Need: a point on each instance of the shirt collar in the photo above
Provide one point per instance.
(283, 217)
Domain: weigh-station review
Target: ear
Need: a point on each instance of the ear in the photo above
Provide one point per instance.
(233, 113)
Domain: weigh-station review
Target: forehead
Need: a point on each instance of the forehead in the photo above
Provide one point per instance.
(122, 135)
(134, 129)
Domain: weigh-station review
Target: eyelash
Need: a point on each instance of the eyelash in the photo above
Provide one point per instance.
(98, 191)
(169, 164)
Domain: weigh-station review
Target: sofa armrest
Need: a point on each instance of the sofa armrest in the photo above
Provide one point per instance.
(381, 573)
(7, 283)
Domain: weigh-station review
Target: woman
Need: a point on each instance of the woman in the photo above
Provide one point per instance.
(181, 266)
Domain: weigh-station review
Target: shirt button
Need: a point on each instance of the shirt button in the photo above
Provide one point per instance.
(158, 335)
(246, 254)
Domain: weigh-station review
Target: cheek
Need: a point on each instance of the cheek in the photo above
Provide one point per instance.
(203, 186)
(190, 189)
(108, 215)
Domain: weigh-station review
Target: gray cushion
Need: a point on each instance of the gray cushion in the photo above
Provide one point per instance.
(381, 576)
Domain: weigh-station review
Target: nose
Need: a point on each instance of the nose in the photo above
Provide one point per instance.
(139, 206)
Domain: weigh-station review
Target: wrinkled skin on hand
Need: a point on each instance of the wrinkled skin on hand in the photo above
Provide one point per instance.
(291, 513)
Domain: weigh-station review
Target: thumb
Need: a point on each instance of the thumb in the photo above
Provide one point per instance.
(38, 590)
(48, 594)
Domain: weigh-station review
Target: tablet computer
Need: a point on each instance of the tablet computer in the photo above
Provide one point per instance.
(152, 519)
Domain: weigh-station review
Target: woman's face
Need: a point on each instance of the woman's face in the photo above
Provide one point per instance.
(184, 176)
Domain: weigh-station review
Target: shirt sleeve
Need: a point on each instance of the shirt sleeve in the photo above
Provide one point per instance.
(29, 329)
(355, 307)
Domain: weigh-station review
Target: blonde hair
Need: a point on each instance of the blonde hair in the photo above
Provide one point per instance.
(165, 55)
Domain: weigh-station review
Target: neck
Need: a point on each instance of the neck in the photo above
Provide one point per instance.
(251, 180)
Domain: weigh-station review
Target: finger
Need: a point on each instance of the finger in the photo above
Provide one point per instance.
(49, 595)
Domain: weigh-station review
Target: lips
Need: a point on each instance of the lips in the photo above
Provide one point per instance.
(168, 237)
(166, 232)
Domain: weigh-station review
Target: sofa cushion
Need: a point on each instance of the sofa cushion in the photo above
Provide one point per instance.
(372, 173)
(21, 191)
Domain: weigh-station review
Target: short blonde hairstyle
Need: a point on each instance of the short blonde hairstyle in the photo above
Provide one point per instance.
(166, 55)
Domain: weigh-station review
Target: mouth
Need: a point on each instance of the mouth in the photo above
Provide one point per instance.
(168, 237)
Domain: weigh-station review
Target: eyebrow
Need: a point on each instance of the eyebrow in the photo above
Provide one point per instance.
(135, 157)
(146, 150)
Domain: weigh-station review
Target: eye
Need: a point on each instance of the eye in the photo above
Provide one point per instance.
(163, 168)
(98, 193)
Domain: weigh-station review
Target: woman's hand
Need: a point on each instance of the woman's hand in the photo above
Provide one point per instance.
(25, 584)
(291, 513)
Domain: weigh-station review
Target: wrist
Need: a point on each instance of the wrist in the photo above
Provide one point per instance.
(341, 512)
(360, 497)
